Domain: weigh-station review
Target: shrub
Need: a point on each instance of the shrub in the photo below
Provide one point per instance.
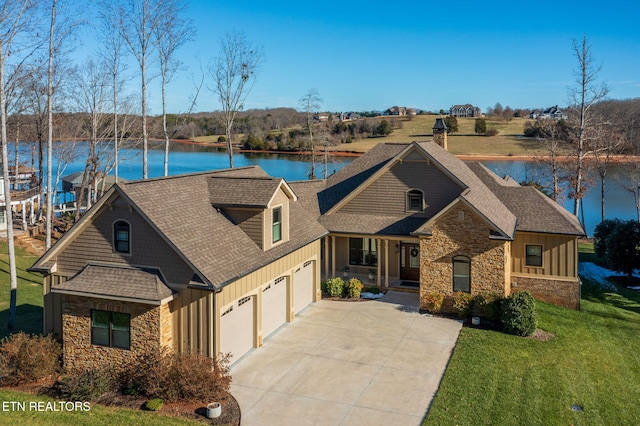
(25, 358)
(182, 377)
(463, 303)
(372, 290)
(335, 287)
(353, 288)
(601, 233)
(519, 314)
(488, 302)
(85, 385)
(222, 139)
(153, 404)
(433, 301)
(491, 132)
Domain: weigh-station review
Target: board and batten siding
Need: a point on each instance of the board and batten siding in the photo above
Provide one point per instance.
(148, 248)
(559, 254)
(387, 194)
(193, 313)
(250, 221)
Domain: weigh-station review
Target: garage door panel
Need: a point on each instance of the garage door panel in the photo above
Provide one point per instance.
(236, 328)
(274, 306)
(303, 286)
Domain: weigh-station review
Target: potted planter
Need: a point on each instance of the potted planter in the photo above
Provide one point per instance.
(214, 410)
(372, 274)
(345, 272)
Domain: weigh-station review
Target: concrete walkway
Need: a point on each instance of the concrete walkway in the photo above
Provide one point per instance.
(347, 363)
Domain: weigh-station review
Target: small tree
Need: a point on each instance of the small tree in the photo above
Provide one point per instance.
(601, 234)
(451, 123)
(519, 314)
(481, 126)
(623, 247)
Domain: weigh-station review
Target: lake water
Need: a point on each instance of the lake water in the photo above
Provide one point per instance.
(190, 158)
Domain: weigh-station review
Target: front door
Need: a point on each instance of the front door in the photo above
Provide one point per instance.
(409, 262)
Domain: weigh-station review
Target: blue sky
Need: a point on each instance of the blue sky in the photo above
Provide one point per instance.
(370, 55)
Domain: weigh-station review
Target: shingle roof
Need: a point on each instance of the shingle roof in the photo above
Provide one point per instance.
(347, 180)
(143, 285)
(535, 211)
(180, 208)
(242, 191)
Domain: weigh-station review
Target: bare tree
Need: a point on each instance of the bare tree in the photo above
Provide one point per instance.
(629, 178)
(552, 140)
(586, 92)
(173, 32)
(234, 73)
(92, 96)
(111, 52)
(15, 19)
(136, 22)
(310, 104)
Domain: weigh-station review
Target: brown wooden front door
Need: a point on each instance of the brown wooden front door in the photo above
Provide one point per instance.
(410, 262)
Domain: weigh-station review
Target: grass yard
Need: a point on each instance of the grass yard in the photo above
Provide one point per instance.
(592, 362)
(96, 415)
(29, 306)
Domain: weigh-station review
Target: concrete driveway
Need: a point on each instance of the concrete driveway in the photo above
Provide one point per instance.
(347, 363)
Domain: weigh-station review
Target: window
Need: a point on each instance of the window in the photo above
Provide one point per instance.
(415, 200)
(462, 274)
(277, 224)
(110, 329)
(121, 236)
(533, 255)
(362, 251)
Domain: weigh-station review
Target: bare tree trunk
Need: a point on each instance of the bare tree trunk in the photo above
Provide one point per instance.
(49, 218)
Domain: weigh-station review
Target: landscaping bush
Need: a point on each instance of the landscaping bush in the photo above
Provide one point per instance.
(222, 139)
(25, 358)
(353, 288)
(492, 132)
(181, 377)
(463, 303)
(153, 404)
(335, 287)
(432, 301)
(488, 303)
(372, 290)
(85, 385)
(519, 314)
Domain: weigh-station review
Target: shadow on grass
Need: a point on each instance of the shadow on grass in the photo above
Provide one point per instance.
(22, 273)
(28, 319)
(624, 299)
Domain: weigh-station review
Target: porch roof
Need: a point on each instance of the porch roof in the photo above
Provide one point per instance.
(141, 285)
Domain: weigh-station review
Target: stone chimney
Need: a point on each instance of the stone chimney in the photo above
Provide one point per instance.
(440, 133)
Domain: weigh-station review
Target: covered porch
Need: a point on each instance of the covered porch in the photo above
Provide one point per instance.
(380, 261)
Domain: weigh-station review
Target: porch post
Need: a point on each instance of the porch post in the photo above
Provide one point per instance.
(326, 256)
(24, 215)
(378, 241)
(386, 263)
(333, 256)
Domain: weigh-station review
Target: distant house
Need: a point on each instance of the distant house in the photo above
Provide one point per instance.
(552, 113)
(400, 111)
(466, 110)
(25, 193)
(322, 116)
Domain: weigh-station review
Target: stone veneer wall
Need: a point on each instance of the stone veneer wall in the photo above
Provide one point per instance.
(150, 327)
(469, 237)
(557, 291)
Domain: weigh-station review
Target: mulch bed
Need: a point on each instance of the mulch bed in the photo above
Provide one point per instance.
(184, 409)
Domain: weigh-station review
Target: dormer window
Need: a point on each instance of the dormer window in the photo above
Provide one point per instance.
(121, 237)
(277, 224)
(415, 200)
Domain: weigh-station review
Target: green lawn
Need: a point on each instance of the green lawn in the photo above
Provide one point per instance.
(29, 306)
(96, 415)
(592, 361)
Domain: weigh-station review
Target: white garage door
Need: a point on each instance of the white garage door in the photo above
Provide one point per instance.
(236, 328)
(303, 286)
(274, 306)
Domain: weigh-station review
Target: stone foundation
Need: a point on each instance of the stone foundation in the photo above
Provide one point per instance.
(557, 291)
